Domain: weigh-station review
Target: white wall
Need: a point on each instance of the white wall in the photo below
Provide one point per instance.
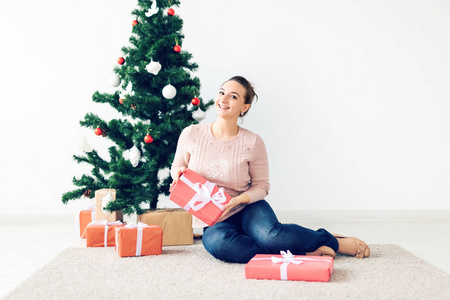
(354, 97)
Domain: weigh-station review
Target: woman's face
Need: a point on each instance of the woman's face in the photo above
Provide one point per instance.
(230, 102)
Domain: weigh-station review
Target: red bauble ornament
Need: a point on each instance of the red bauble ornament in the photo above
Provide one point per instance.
(98, 131)
(120, 60)
(120, 100)
(195, 101)
(170, 12)
(135, 22)
(177, 48)
(148, 139)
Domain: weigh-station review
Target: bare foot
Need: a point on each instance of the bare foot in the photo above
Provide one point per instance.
(352, 246)
(323, 251)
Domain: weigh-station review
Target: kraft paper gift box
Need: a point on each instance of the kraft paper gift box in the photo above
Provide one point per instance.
(138, 240)
(102, 233)
(85, 217)
(290, 267)
(201, 198)
(106, 195)
(176, 224)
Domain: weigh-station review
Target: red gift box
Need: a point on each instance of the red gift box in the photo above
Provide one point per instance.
(201, 198)
(290, 267)
(138, 240)
(102, 233)
(85, 217)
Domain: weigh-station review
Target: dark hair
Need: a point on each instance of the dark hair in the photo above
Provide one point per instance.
(249, 91)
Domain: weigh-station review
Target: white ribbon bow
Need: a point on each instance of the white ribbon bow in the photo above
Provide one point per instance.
(204, 195)
(286, 259)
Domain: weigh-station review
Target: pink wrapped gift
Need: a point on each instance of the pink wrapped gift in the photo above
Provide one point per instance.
(201, 198)
(290, 267)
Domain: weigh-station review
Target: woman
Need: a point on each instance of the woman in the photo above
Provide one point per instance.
(236, 159)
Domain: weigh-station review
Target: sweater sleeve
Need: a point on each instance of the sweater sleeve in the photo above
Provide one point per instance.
(259, 172)
(182, 155)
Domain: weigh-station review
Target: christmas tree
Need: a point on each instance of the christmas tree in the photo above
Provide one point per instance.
(158, 97)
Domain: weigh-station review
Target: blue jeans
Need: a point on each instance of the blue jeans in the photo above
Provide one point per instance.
(256, 230)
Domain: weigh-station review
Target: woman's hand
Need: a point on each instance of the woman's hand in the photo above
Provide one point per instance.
(242, 198)
(180, 171)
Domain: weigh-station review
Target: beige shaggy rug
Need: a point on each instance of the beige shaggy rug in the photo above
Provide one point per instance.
(189, 272)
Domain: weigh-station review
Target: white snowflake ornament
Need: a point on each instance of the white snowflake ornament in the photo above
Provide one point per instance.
(135, 156)
(153, 67)
(153, 10)
(85, 147)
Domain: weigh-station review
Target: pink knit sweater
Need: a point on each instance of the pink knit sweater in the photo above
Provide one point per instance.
(238, 165)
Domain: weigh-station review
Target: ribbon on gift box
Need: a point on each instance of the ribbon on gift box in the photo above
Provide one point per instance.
(93, 215)
(204, 195)
(106, 224)
(286, 259)
(140, 226)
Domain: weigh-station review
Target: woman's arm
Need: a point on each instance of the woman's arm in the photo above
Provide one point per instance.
(259, 172)
(242, 198)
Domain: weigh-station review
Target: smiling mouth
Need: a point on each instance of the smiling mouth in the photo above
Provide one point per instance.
(223, 107)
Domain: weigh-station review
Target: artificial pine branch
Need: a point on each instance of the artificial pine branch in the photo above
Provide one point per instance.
(75, 194)
(101, 181)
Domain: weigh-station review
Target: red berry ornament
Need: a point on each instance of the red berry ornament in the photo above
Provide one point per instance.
(177, 48)
(135, 22)
(120, 100)
(98, 131)
(148, 139)
(120, 60)
(195, 101)
(170, 12)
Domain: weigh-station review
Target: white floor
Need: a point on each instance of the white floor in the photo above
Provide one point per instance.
(29, 242)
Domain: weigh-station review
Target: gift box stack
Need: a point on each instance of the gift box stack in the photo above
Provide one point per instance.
(106, 229)
(98, 226)
(197, 197)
